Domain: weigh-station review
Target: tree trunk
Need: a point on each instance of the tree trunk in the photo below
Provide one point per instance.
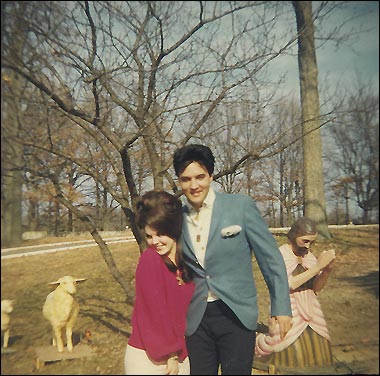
(12, 179)
(11, 198)
(314, 197)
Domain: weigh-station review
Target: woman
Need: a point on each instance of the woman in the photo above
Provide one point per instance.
(307, 344)
(163, 292)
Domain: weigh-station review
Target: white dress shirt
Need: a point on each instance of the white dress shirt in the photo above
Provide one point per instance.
(198, 223)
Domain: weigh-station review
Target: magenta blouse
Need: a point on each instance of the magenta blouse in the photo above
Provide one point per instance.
(159, 314)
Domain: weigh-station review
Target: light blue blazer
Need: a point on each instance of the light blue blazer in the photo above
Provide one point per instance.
(228, 263)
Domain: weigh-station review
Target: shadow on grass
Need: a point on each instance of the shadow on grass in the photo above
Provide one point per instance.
(105, 313)
(370, 282)
(12, 339)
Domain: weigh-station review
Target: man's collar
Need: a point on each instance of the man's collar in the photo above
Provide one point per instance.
(210, 198)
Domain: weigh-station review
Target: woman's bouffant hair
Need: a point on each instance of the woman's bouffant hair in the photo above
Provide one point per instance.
(301, 227)
(162, 211)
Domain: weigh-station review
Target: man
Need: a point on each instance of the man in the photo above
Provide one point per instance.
(219, 234)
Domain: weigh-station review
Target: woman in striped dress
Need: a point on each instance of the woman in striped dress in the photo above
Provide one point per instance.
(307, 344)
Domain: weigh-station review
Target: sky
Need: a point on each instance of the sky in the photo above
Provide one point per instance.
(362, 55)
(358, 56)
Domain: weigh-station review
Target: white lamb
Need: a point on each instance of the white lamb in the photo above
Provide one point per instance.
(61, 309)
(6, 309)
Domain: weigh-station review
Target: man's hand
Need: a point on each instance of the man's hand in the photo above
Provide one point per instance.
(285, 323)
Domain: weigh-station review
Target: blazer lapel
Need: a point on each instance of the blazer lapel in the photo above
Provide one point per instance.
(187, 243)
(216, 217)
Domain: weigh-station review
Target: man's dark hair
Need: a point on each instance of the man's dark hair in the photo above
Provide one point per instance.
(193, 153)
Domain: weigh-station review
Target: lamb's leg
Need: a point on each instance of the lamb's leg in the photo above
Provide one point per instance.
(70, 324)
(53, 338)
(6, 338)
(69, 337)
(58, 338)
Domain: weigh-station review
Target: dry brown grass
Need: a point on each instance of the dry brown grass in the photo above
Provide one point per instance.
(104, 309)
(350, 301)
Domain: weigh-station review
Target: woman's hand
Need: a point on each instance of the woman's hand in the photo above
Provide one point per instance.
(172, 367)
(328, 258)
(329, 267)
(325, 258)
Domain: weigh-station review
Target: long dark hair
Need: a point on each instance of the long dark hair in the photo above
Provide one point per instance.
(163, 212)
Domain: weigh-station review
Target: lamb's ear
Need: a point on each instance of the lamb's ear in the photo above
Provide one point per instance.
(80, 279)
(54, 283)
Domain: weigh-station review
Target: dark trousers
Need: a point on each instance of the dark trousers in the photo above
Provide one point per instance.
(221, 339)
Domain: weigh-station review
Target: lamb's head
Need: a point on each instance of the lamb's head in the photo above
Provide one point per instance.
(68, 283)
(7, 305)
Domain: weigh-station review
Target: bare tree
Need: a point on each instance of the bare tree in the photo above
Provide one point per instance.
(155, 82)
(13, 90)
(11, 168)
(139, 79)
(314, 196)
(148, 80)
(354, 157)
(340, 193)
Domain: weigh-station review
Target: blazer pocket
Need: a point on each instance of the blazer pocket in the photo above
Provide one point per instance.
(230, 231)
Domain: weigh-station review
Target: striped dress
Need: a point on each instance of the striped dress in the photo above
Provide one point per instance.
(307, 344)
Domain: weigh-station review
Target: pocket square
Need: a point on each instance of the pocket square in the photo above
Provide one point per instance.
(230, 231)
